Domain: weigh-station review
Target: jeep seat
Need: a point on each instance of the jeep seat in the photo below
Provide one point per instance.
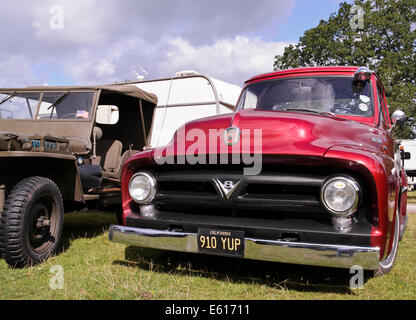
(117, 171)
(108, 156)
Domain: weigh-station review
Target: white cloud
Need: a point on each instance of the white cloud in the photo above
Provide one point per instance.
(91, 69)
(16, 70)
(115, 62)
(104, 40)
(234, 59)
(85, 23)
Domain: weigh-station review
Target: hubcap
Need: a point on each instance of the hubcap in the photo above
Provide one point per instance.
(42, 226)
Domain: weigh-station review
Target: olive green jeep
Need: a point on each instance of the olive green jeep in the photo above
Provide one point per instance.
(63, 148)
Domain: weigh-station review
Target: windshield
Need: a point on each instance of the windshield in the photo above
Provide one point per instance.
(337, 95)
(43, 106)
(66, 105)
(18, 106)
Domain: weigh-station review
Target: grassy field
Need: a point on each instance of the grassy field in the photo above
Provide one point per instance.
(94, 268)
(411, 197)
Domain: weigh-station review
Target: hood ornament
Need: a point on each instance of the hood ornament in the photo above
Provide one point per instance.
(232, 136)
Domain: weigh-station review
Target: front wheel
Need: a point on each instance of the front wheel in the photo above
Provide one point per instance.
(387, 264)
(31, 223)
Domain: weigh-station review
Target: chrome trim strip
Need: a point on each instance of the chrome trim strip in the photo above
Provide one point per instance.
(336, 256)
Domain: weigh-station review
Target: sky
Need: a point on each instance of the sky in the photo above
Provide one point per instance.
(84, 42)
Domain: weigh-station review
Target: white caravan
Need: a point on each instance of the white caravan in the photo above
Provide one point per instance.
(410, 165)
(185, 97)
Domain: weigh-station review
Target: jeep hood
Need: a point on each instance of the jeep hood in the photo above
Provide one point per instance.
(285, 133)
(10, 141)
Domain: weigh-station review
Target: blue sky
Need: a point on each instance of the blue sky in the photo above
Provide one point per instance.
(306, 15)
(52, 74)
(102, 41)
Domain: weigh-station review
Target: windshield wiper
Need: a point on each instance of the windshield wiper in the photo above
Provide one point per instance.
(8, 98)
(58, 101)
(326, 113)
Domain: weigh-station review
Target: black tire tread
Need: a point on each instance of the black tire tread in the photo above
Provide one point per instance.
(11, 223)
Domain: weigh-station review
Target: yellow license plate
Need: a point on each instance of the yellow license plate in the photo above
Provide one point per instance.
(221, 242)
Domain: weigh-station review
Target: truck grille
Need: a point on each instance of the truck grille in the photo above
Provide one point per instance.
(281, 203)
(271, 195)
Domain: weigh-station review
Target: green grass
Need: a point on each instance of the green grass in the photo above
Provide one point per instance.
(95, 268)
(411, 196)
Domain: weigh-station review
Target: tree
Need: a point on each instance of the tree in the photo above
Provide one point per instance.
(386, 43)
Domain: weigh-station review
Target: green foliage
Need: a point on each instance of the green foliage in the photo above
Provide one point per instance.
(386, 44)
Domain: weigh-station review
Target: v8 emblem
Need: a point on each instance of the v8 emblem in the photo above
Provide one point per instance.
(227, 187)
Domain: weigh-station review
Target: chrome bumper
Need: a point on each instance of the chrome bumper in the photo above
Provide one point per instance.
(336, 256)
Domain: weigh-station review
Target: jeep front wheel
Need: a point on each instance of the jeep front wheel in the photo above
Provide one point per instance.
(31, 223)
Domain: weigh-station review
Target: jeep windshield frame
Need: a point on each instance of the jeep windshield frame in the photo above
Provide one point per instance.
(135, 106)
(49, 105)
(330, 95)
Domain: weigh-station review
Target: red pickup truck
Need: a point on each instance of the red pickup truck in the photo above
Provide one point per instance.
(326, 185)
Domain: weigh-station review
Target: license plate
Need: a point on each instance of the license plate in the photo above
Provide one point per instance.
(221, 242)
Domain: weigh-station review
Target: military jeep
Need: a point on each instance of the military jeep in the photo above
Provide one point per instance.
(63, 148)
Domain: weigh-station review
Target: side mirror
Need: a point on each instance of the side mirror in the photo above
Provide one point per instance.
(398, 117)
(97, 133)
(363, 74)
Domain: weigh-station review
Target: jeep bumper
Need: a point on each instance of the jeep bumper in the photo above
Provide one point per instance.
(336, 256)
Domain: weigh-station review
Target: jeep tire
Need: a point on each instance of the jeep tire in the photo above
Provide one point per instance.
(31, 223)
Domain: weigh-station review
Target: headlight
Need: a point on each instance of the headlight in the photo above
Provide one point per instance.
(341, 195)
(142, 187)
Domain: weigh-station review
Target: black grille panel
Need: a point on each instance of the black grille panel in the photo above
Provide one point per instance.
(283, 200)
(193, 188)
(271, 195)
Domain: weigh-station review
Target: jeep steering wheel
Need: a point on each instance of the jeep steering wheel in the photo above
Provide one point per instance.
(68, 115)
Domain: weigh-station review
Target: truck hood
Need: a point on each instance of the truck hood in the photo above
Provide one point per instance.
(273, 132)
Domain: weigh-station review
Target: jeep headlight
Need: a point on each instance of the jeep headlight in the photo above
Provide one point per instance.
(142, 188)
(340, 195)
